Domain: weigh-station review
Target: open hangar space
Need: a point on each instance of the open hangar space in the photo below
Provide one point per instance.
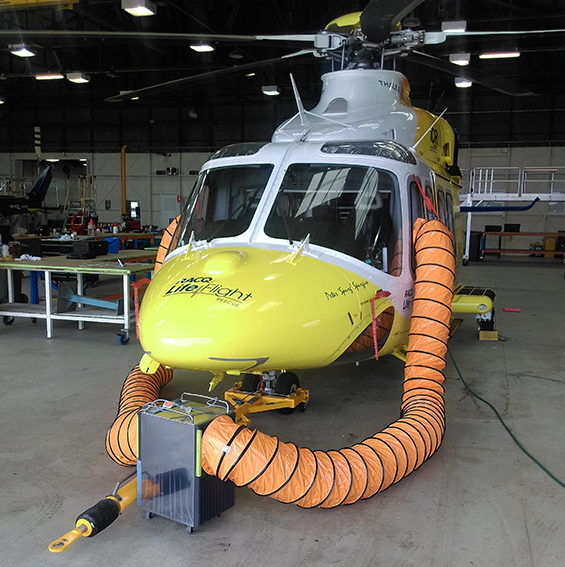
(480, 500)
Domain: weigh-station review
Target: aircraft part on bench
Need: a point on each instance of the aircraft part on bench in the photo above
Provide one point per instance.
(67, 301)
(330, 478)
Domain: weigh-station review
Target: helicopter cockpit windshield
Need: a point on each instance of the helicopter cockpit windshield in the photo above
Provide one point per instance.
(351, 209)
(222, 203)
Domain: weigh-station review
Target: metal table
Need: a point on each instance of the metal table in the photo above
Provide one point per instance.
(125, 263)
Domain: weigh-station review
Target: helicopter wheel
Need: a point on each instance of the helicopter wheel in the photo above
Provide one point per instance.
(488, 325)
(250, 383)
(286, 384)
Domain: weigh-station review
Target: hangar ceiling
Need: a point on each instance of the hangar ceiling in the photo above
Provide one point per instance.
(204, 116)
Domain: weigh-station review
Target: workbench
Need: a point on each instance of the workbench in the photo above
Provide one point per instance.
(123, 237)
(126, 263)
(547, 237)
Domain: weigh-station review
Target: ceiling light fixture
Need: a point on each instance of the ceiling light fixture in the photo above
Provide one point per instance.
(499, 54)
(2, 100)
(78, 77)
(271, 90)
(462, 82)
(202, 47)
(139, 7)
(49, 76)
(52, 160)
(21, 50)
(454, 27)
(461, 59)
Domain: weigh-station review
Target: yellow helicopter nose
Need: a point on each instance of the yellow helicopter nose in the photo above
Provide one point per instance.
(247, 309)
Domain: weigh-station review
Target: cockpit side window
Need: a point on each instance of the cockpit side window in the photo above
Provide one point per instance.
(222, 203)
(352, 209)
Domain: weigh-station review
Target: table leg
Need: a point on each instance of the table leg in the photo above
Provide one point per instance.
(80, 291)
(125, 279)
(10, 278)
(34, 287)
(48, 320)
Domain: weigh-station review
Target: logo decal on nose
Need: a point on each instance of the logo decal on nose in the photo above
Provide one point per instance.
(207, 286)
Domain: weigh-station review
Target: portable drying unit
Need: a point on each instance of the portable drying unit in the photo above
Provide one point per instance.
(170, 479)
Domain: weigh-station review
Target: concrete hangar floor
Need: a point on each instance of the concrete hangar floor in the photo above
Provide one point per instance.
(478, 501)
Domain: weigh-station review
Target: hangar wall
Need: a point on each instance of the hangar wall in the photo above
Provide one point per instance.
(154, 190)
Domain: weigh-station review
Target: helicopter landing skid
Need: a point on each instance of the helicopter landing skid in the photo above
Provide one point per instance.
(245, 403)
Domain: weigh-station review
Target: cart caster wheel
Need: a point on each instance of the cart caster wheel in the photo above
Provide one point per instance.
(124, 339)
(286, 384)
(465, 262)
(23, 298)
(7, 320)
(34, 320)
(149, 515)
(189, 529)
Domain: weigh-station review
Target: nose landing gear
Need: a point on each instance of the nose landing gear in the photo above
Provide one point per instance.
(266, 392)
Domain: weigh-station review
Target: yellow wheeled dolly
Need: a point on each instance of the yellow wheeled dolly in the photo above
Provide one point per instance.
(256, 393)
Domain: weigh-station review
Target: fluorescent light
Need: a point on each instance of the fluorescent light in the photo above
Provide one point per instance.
(21, 51)
(139, 7)
(461, 59)
(2, 100)
(202, 47)
(499, 54)
(78, 77)
(271, 90)
(52, 160)
(454, 27)
(462, 82)
(134, 98)
(49, 76)
(250, 74)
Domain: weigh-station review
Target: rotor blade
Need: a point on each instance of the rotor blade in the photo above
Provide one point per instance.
(380, 16)
(432, 38)
(45, 35)
(201, 78)
(492, 82)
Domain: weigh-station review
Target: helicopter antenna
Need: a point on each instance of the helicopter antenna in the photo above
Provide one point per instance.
(424, 134)
(303, 118)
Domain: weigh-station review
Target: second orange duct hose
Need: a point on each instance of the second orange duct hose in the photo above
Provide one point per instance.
(327, 479)
(138, 389)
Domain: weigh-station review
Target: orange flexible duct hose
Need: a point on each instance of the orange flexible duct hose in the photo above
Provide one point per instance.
(138, 389)
(164, 244)
(328, 479)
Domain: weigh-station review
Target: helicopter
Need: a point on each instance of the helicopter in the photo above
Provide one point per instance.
(298, 253)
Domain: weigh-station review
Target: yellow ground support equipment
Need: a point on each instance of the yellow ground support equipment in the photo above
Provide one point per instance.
(101, 515)
(256, 394)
